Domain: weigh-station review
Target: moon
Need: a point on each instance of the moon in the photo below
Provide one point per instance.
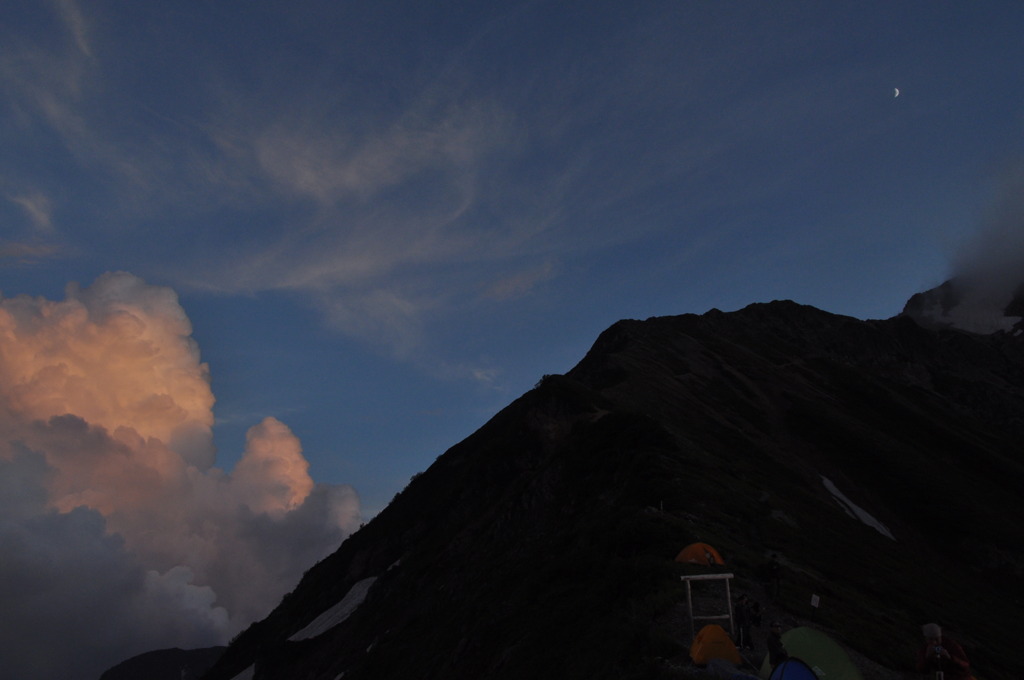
(897, 92)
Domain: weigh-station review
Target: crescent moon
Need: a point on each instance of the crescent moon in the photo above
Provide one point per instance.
(897, 92)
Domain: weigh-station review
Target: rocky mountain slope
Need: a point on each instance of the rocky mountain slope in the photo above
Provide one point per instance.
(165, 664)
(542, 545)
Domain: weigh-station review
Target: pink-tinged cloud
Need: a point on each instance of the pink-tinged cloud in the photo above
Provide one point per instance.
(272, 475)
(107, 480)
(117, 354)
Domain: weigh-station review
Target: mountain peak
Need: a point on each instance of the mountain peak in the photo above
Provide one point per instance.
(543, 544)
(959, 303)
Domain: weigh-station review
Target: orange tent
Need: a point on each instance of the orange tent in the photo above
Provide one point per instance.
(700, 553)
(712, 642)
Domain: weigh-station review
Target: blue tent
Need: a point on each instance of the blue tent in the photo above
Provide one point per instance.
(819, 652)
(793, 669)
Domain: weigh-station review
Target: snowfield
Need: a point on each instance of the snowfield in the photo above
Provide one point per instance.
(338, 613)
(329, 619)
(855, 511)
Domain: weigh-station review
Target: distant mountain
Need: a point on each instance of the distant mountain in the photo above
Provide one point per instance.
(165, 664)
(879, 462)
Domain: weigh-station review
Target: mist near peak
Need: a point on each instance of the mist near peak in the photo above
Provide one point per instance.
(985, 292)
(990, 267)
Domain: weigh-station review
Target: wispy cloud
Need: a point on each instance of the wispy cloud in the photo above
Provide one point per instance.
(376, 218)
(356, 201)
(26, 253)
(76, 24)
(454, 194)
(325, 162)
(49, 77)
(62, 94)
(518, 284)
(38, 208)
(379, 316)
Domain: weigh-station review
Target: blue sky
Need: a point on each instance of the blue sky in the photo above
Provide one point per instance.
(385, 221)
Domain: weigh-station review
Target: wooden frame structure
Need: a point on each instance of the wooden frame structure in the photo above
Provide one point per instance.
(711, 617)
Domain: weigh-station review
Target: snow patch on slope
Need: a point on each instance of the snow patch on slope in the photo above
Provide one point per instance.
(855, 511)
(247, 674)
(982, 317)
(338, 613)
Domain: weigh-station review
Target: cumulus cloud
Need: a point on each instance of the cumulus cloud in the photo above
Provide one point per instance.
(118, 532)
(272, 474)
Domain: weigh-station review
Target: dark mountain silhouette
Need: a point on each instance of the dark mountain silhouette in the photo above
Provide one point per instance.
(543, 544)
(165, 664)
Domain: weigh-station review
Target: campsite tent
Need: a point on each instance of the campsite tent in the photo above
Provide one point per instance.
(727, 670)
(712, 642)
(700, 553)
(823, 654)
(793, 669)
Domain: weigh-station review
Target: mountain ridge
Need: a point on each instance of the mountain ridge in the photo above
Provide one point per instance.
(165, 664)
(543, 542)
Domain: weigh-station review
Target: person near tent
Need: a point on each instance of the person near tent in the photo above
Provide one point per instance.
(755, 614)
(774, 577)
(776, 650)
(941, 654)
(744, 614)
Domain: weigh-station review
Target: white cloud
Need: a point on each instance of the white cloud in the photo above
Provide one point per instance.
(108, 486)
(272, 476)
(174, 591)
(117, 354)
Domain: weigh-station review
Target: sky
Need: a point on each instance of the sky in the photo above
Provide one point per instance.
(261, 262)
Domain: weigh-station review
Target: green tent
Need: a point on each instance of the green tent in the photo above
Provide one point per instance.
(826, 658)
